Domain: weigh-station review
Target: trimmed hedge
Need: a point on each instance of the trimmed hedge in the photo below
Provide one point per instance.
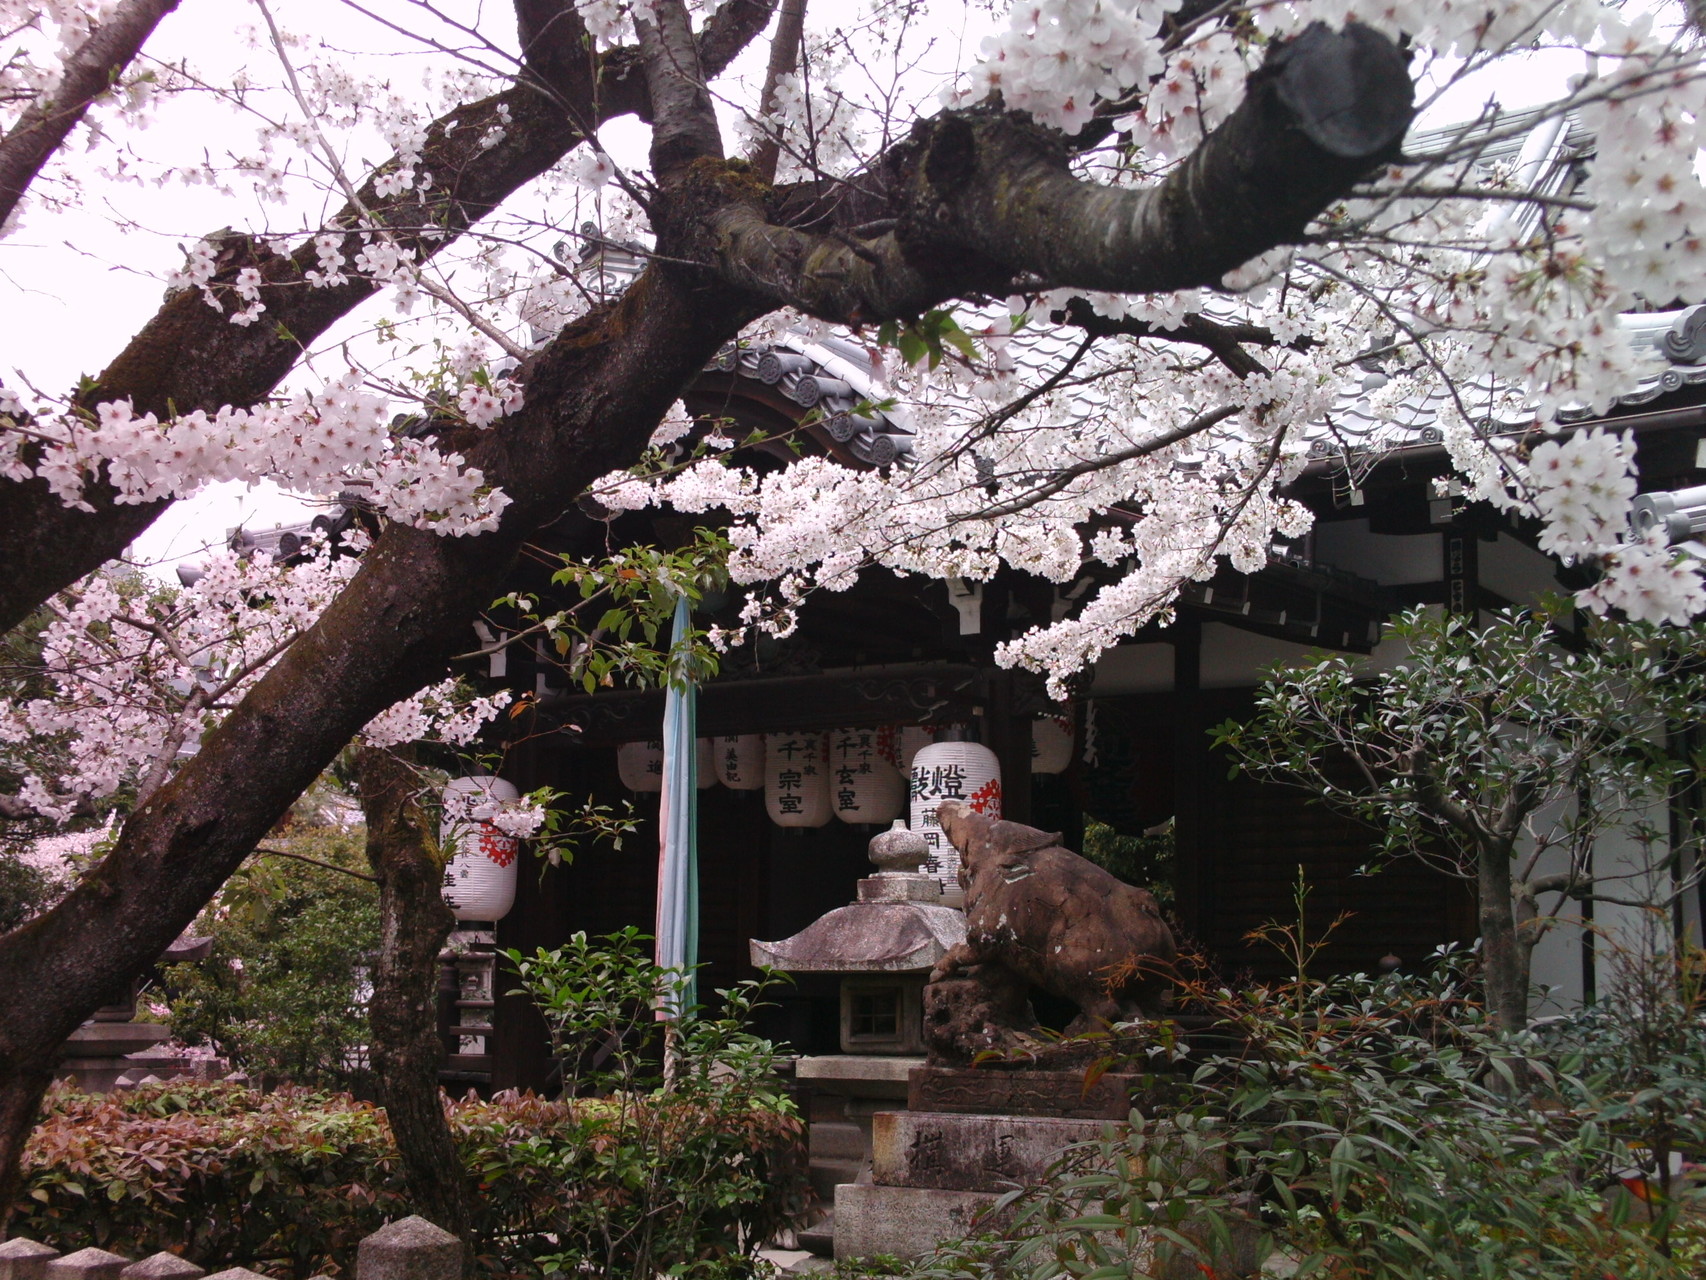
(289, 1182)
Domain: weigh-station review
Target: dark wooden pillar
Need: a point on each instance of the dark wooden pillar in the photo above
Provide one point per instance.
(1007, 732)
(1191, 862)
(1462, 565)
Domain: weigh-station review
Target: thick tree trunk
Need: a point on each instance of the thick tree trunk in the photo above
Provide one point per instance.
(404, 1047)
(1504, 959)
(594, 398)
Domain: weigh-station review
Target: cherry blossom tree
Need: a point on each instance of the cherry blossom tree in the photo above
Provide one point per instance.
(1106, 167)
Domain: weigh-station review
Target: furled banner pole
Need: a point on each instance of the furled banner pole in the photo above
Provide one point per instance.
(678, 829)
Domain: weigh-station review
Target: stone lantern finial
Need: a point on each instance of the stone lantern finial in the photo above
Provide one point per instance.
(898, 850)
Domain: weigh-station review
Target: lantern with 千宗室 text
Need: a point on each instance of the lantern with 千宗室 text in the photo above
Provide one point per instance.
(796, 779)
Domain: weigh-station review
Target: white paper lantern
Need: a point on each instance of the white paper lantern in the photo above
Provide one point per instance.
(913, 739)
(740, 760)
(704, 764)
(640, 765)
(479, 877)
(888, 746)
(1051, 743)
(964, 771)
(863, 786)
(796, 779)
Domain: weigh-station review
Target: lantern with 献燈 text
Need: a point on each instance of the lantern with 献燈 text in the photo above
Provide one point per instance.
(951, 770)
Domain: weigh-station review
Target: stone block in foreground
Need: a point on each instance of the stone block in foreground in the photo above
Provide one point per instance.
(409, 1249)
(162, 1266)
(22, 1259)
(971, 1152)
(905, 1221)
(86, 1264)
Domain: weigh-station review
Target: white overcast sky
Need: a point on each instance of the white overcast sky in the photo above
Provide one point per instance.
(75, 287)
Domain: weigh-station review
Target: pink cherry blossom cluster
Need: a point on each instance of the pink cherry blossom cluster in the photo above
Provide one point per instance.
(520, 818)
(442, 712)
(320, 443)
(140, 673)
(484, 402)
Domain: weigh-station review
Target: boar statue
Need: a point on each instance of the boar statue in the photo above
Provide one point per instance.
(1039, 916)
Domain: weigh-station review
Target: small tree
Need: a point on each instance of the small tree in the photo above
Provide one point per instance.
(1500, 754)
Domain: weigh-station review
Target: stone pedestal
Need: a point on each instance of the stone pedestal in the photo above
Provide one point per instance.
(934, 1173)
(937, 1170)
(989, 1091)
(971, 1152)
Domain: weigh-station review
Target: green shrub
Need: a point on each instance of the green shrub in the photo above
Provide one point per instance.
(280, 996)
(687, 1185)
(1375, 1129)
(289, 1182)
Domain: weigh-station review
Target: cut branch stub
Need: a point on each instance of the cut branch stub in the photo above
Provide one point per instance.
(1324, 109)
(979, 200)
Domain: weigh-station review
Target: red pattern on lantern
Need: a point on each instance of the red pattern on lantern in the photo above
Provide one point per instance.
(987, 798)
(496, 845)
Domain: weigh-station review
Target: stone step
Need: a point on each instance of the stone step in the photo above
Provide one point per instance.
(826, 1175)
(819, 1238)
(836, 1140)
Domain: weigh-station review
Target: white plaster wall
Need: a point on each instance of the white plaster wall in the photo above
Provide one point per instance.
(1556, 967)
(1622, 868)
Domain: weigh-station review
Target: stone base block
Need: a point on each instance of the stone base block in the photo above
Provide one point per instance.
(906, 1221)
(985, 1091)
(852, 1075)
(971, 1152)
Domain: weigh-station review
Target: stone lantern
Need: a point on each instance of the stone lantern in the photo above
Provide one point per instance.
(883, 946)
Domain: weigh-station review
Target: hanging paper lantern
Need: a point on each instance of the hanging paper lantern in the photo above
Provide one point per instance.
(640, 765)
(479, 877)
(913, 739)
(704, 764)
(863, 787)
(964, 771)
(740, 760)
(888, 745)
(1051, 743)
(796, 779)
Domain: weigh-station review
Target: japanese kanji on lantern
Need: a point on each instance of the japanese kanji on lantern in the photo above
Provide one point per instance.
(796, 779)
(1051, 743)
(863, 785)
(640, 765)
(479, 877)
(966, 771)
(740, 760)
